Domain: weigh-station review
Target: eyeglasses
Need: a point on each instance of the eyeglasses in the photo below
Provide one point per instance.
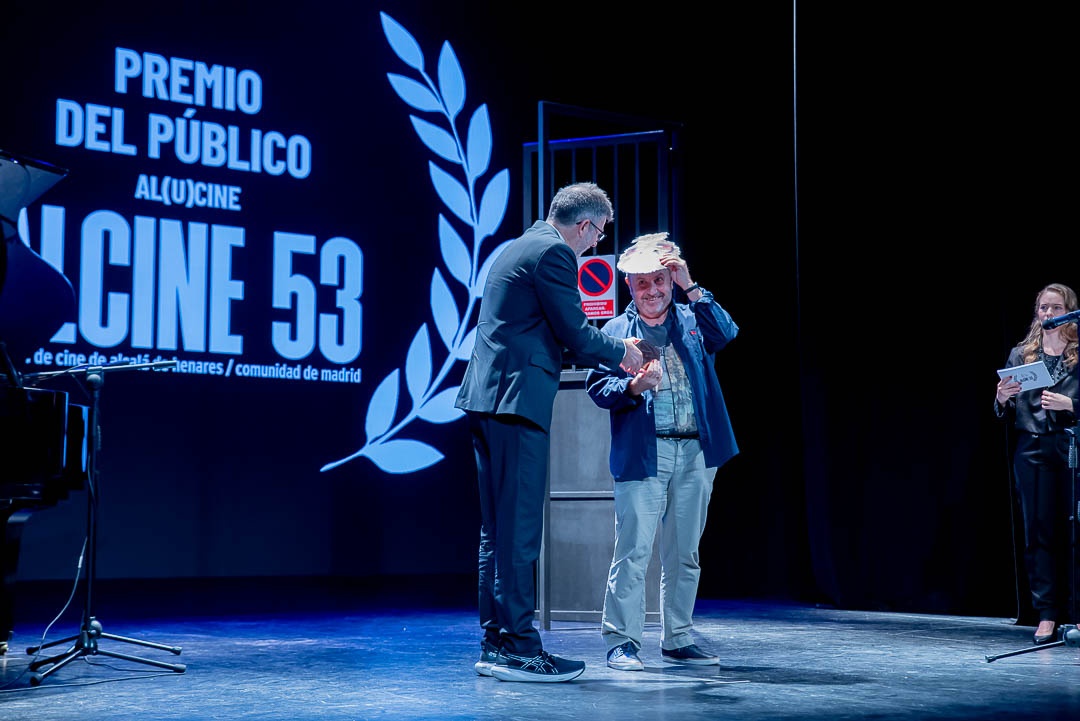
(600, 234)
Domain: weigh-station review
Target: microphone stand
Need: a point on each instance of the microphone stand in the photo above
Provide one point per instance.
(1068, 635)
(85, 643)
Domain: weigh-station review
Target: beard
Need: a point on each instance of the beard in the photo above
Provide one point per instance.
(651, 308)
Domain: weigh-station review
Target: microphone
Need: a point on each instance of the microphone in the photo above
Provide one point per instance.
(1072, 317)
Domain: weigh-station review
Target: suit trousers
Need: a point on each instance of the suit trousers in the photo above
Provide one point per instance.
(511, 463)
(676, 501)
(1044, 484)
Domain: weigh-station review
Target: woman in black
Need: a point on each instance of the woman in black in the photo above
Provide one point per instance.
(1040, 462)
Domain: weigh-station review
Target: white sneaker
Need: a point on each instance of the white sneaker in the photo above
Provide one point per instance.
(624, 658)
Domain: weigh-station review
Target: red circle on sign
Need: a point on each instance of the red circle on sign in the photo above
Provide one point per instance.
(595, 277)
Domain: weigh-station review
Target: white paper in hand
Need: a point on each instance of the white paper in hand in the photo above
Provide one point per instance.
(1029, 376)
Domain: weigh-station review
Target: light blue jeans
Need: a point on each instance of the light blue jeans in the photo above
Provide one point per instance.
(677, 501)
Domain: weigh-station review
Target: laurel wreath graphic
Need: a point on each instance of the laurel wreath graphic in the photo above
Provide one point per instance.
(473, 155)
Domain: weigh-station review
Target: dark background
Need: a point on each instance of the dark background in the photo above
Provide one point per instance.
(876, 194)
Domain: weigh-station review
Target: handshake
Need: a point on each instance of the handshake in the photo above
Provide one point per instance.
(639, 352)
(649, 352)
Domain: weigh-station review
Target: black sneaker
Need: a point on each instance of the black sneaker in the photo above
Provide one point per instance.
(690, 655)
(488, 657)
(541, 668)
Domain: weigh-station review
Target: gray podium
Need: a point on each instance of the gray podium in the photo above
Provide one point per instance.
(579, 514)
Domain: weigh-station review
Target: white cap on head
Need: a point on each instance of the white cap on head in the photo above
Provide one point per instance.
(644, 253)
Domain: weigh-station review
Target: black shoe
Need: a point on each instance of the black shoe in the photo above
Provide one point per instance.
(1040, 639)
(488, 657)
(541, 668)
(690, 655)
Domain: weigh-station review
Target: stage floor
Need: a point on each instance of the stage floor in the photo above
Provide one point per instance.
(387, 659)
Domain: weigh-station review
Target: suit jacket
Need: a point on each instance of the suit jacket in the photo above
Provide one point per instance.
(530, 311)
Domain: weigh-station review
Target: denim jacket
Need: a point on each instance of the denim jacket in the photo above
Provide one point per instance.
(703, 328)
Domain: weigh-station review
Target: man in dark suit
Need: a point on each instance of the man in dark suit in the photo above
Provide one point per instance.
(531, 310)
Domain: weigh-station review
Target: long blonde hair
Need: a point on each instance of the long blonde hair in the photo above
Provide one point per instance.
(1033, 341)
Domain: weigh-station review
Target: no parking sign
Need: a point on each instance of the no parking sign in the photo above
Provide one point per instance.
(596, 284)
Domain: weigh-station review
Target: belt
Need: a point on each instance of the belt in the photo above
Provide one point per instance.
(677, 436)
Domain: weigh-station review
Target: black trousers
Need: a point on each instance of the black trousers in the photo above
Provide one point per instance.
(511, 466)
(1044, 485)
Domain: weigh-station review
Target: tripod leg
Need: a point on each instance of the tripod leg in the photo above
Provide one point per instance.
(149, 644)
(34, 649)
(58, 663)
(84, 643)
(73, 651)
(177, 667)
(1024, 650)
